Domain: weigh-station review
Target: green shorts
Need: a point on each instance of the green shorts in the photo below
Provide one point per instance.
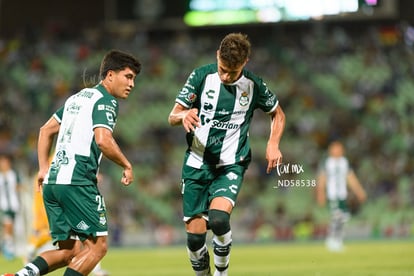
(200, 186)
(7, 216)
(338, 204)
(75, 212)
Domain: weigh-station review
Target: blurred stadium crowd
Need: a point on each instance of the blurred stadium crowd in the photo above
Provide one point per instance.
(350, 83)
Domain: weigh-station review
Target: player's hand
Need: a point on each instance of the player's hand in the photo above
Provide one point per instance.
(273, 157)
(362, 197)
(191, 120)
(127, 176)
(39, 183)
(40, 178)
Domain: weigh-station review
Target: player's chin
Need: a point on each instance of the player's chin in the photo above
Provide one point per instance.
(125, 95)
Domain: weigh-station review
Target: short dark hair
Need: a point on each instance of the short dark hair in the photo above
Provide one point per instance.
(117, 60)
(234, 49)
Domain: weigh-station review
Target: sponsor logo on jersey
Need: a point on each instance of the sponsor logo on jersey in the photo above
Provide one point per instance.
(220, 190)
(209, 94)
(60, 159)
(271, 101)
(183, 91)
(110, 117)
(224, 125)
(223, 112)
(232, 176)
(110, 108)
(215, 140)
(73, 108)
(86, 94)
(208, 106)
(238, 112)
(192, 97)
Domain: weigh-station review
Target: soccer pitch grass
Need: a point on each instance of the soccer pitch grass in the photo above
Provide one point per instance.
(362, 258)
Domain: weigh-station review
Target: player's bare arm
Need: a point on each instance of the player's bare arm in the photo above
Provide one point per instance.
(321, 189)
(273, 153)
(111, 150)
(356, 186)
(181, 115)
(44, 144)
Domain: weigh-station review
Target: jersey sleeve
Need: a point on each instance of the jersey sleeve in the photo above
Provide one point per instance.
(188, 95)
(104, 114)
(267, 101)
(59, 114)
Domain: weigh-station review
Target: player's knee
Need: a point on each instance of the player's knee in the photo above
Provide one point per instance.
(219, 221)
(195, 241)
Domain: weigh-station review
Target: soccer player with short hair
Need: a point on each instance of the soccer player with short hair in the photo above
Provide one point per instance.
(215, 107)
(74, 206)
(40, 239)
(334, 178)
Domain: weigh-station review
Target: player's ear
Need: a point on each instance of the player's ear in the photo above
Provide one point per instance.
(110, 75)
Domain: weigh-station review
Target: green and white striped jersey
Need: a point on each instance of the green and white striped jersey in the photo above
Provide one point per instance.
(77, 156)
(9, 185)
(225, 112)
(336, 170)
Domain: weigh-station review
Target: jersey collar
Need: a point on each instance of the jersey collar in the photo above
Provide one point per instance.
(102, 89)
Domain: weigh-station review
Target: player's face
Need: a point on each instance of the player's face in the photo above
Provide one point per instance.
(122, 82)
(336, 150)
(228, 74)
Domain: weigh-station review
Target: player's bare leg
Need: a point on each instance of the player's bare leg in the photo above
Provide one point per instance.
(51, 260)
(93, 250)
(63, 255)
(336, 233)
(8, 239)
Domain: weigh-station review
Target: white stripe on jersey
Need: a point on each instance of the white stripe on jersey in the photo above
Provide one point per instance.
(336, 174)
(8, 191)
(231, 142)
(212, 82)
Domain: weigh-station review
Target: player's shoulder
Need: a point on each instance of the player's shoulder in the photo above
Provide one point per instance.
(87, 93)
(252, 76)
(206, 69)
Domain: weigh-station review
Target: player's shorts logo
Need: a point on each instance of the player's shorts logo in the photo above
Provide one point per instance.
(102, 219)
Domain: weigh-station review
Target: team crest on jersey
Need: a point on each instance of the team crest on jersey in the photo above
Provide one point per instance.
(244, 98)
